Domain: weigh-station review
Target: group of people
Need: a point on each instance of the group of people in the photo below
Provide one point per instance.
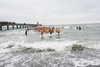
(43, 30)
(78, 27)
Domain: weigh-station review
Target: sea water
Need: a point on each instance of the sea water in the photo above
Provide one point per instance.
(70, 48)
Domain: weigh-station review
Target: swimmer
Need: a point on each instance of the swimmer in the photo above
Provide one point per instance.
(79, 28)
(58, 30)
(41, 32)
(30, 28)
(26, 32)
(50, 31)
(53, 27)
(76, 27)
(46, 31)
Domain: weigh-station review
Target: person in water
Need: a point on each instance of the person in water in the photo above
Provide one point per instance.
(79, 28)
(58, 30)
(51, 31)
(76, 27)
(42, 32)
(44, 29)
(26, 32)
(53, 27)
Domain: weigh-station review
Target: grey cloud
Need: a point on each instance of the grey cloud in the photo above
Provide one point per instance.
(50, 11)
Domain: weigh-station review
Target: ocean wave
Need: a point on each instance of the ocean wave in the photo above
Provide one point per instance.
(78, 47)
(42, 46)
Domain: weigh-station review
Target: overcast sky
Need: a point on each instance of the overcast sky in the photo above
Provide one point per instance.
(50, 11)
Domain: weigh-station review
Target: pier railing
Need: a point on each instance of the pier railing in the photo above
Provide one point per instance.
(17, 25)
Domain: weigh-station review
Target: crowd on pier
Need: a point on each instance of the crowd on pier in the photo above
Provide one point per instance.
(6, 22)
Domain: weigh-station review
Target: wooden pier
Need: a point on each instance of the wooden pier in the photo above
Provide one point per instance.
(17, 25)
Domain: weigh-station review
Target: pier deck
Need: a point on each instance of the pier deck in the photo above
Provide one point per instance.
(18, 25)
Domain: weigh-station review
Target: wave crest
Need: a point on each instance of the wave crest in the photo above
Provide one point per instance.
(35, 50)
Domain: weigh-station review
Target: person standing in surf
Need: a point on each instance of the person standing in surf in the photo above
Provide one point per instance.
(51, 31)
(26, 32)
(79, 28)
(42, 31)
(58, 30)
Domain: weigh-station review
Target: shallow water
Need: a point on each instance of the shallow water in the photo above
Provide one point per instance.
(70, 48)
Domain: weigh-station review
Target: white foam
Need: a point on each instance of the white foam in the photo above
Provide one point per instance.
(9, 65)
(59, 46)
(84, 62)
(66, 27)
(92, 44)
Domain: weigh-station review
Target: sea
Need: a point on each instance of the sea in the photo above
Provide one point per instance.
(70, 48)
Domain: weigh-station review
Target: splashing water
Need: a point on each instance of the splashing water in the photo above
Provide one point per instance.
(71, 48)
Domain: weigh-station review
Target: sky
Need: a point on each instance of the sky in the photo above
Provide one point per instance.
(50, 11)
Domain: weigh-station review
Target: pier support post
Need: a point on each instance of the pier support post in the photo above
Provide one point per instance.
(7, 27)
(12, 26)
(20, 26)
(32, 25)
(0, 28)
(17, 26)
(27, 26)
(23, 26)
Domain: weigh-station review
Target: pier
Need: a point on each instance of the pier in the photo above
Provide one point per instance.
(17, 25)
